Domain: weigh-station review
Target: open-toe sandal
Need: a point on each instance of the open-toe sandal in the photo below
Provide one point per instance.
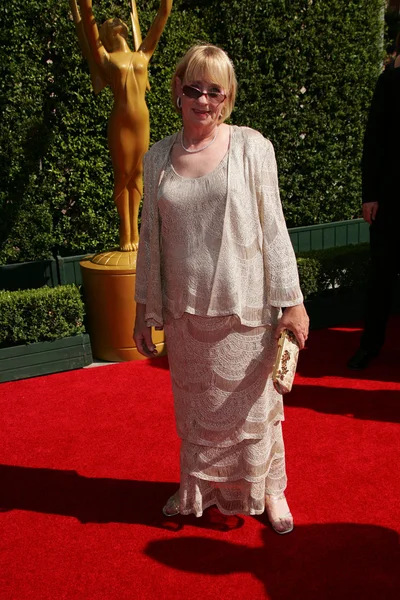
(171, 509)
(279, 516)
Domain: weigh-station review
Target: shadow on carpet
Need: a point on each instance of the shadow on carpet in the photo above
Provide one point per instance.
(330, 562)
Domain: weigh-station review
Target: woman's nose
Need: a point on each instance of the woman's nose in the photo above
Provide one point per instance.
(203, 99)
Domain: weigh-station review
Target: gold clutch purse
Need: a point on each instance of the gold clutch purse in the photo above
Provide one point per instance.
(286, 362)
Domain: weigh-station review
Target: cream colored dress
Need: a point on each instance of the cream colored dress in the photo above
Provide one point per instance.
(228, 414)
(215, 264)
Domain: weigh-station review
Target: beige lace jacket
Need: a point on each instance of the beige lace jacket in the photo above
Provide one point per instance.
(255, 271)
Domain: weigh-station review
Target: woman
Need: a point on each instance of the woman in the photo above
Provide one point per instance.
(113, 63)
(215, 267)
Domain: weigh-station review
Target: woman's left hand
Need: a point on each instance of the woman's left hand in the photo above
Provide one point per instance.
(294, 318)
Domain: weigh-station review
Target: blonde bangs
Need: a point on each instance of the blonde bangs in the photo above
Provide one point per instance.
(201, 68)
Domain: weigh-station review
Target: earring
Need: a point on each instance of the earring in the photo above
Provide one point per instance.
(179, 102)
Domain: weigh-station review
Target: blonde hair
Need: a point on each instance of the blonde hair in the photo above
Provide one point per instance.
(106, 36)
(205, 61)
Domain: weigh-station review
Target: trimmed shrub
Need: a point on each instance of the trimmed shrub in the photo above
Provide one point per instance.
(335, 269)
(40, 315)
(309, 273)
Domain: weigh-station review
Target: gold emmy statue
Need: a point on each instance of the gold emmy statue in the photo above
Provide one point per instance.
(109, 277)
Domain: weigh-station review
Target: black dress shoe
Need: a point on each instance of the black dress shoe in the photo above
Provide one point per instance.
(361, 359)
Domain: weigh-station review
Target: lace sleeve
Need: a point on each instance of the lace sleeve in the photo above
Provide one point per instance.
(143, 257)
(280, 267)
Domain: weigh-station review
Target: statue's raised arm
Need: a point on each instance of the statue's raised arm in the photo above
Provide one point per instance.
(91, 30)
(137, 36)
(88, 49)
(151, 40)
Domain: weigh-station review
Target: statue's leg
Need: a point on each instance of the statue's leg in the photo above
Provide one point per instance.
(135, 196)
(122, 203)
(121, 143)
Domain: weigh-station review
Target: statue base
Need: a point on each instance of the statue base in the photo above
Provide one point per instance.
(109, 288)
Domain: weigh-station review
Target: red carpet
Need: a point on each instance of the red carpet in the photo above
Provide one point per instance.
(88, 458)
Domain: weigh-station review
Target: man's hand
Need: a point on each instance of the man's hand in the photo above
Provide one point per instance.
(369, 211)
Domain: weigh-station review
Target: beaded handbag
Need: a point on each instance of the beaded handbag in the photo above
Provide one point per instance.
(286, 362)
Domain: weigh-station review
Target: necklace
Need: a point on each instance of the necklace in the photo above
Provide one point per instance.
(200, 149)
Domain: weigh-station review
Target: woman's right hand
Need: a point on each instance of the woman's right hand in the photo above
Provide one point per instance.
(142, 334)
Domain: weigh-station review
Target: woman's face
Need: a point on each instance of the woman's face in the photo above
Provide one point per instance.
(204, 110)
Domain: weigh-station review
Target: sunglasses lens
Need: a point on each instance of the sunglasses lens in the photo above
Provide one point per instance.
(191, 92)
(194, 93)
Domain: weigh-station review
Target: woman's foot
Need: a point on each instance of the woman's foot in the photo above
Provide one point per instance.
(278, 512)
(171, 509)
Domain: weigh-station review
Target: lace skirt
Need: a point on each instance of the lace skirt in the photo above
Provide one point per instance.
(228, 414)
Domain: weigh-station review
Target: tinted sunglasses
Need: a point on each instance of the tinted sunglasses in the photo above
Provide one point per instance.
(214, 97)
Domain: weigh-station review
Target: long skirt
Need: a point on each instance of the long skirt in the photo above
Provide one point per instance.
(228, 414)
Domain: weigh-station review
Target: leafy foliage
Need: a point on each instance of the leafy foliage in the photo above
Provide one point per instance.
(335, 269)
(306, 71)
(40, 315)
(309, 269)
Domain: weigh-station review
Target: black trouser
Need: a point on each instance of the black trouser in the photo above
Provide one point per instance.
(385, 266)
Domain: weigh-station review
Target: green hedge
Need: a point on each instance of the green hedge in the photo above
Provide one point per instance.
(40, 315)
(306, 72)
(334, 270)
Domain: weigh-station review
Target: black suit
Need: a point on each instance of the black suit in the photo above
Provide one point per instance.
(381, 183)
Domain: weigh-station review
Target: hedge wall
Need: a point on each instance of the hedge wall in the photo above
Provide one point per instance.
(40, 315)
(306, 70)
